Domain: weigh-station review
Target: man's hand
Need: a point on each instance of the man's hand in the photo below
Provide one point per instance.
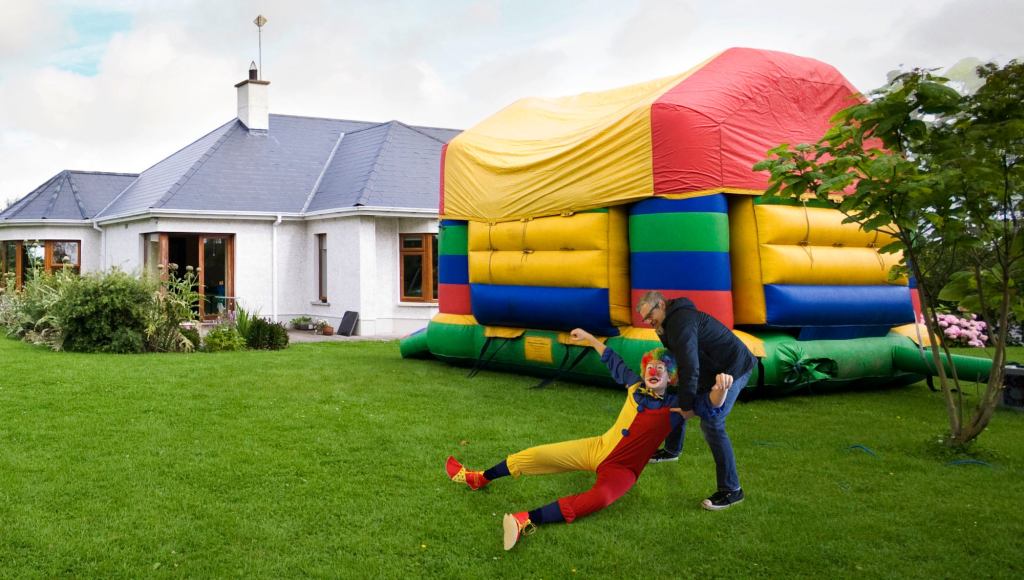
(721, 388)
(685, 414)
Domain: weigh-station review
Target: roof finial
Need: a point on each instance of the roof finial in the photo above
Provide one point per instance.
(260, 21)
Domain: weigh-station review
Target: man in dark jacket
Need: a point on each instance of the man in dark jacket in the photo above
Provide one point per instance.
(703, 348)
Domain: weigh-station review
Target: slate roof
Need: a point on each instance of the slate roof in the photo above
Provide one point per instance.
(386, 165)
(300, 164)
(70, 195)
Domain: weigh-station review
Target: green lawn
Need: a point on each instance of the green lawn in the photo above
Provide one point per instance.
(326, 460)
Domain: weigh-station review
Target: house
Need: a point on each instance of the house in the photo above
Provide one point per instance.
(285, 215)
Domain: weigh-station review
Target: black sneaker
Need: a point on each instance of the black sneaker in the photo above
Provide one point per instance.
(661, 456)
(721, 500)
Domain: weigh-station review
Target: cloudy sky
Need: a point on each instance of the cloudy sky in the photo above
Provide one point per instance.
(116, 85)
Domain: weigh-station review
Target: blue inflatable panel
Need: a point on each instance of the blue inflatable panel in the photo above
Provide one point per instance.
(543, 307)
(708, 203)
(790, 305)
(453, 223)
(453, 269)
(680, 270)
(842, 332)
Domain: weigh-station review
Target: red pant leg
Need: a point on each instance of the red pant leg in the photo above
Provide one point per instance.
(612, 482)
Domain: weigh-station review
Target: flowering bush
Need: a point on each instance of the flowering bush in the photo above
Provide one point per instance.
(966, 331)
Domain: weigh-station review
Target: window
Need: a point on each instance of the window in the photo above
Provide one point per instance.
(19, 259)
(418, 263)
(321, 266)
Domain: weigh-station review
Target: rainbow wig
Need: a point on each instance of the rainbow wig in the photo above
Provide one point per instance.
(661, 353)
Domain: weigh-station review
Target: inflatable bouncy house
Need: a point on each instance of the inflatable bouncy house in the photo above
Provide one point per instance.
(562, 213)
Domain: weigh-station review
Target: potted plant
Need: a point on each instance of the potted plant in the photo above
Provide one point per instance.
(302, 323)
(323, 327)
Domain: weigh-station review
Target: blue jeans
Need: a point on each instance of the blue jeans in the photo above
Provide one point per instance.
(717, 438)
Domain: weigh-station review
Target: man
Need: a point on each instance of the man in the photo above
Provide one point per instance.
(703, 347)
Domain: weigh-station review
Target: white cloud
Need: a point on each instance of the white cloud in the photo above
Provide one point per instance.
(169, 79)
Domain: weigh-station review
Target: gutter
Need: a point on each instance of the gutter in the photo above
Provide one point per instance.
(103, 244)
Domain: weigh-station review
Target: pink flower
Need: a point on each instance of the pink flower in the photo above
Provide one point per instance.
(943, 323)
(952, 331)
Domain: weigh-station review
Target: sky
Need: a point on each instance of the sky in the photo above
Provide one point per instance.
(117, 85)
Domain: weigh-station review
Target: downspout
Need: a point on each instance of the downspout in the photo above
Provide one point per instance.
(103, 244)
(273, 267)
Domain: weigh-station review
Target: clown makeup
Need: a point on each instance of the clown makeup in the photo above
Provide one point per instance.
(656, 376)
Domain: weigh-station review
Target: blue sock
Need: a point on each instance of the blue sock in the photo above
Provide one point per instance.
(499, 470)
(549, 514)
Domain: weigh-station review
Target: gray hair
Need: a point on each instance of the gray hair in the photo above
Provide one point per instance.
(650, 298)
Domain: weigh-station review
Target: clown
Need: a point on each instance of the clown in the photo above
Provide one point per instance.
(617, 457)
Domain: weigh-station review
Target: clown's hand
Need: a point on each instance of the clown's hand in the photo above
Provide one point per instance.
(721, 388)
(722, 382)
(580, 335)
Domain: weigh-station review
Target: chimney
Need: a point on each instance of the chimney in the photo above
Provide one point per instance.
(253, 105)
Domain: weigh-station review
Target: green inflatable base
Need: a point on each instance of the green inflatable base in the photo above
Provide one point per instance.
(788, 365)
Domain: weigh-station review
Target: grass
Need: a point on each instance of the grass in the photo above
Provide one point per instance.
(326, 460)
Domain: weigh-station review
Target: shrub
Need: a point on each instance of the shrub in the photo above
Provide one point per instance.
(266, 335)
(243, 320)
(103, 312)
(174, 303)
(191, 334)
(223, 338)
(966, 331)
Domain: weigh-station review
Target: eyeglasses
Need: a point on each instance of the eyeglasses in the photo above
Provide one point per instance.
(647, 317)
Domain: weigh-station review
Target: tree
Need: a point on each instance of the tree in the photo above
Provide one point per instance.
(940, 171)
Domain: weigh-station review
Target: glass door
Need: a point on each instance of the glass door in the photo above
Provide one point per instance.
(215, 276)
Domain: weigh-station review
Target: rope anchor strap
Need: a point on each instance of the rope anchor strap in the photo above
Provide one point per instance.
(562, 369)
(480, 362)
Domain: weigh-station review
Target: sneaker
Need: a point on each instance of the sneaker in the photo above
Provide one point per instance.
(515, 527)
(459, 474)
(721, 500)
(661, 456)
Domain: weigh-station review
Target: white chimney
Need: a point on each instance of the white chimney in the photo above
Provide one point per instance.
(253, 102)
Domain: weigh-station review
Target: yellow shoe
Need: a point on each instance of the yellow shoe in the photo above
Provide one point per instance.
(459, 474)
(516, 526)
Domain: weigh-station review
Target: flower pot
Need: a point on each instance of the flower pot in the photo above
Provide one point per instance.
(327, 330)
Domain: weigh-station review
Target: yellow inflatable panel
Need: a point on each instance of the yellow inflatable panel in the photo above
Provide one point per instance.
(587, 269)
(618, 266)
(915, 332)
(575, 232)
(537, 156)
(827, 265)
(503, 332)
(744, 252)
(584, 250)
(813, 226)
(461, 319)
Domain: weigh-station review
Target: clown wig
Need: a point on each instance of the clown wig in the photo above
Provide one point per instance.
(661, 353)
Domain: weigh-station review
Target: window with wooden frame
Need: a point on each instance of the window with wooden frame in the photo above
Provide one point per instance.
(321, 266)
(418, 265)
(20, 258)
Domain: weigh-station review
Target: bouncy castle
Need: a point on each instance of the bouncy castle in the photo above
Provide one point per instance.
(561, 213)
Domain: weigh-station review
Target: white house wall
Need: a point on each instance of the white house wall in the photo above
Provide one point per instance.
(89, 238)
(253, 263)
(363, 272)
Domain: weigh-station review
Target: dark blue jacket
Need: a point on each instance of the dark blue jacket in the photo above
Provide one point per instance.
(702, 347)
